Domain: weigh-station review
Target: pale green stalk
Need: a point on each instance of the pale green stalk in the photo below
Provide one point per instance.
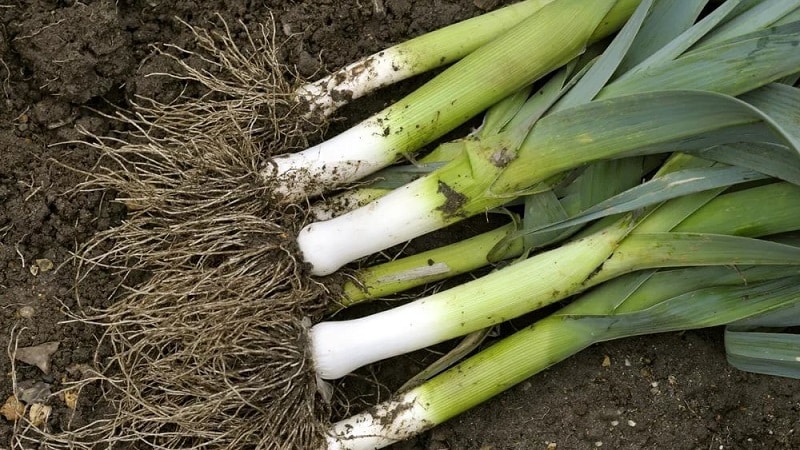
(426, 267)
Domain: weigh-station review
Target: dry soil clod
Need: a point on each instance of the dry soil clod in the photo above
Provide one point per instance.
(39, 414)
(12, 409)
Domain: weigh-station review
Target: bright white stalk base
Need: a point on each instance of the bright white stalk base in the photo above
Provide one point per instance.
(356, 80)
(400, 216)
(338, 348)
(381, 426)
(349, 156)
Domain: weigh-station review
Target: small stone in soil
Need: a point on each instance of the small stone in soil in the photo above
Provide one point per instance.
(30, 392)
(26, 312)
(37, 355)
(44, 264)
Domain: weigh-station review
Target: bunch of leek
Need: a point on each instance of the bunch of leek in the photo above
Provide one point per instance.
(642, 300)
(691, 79)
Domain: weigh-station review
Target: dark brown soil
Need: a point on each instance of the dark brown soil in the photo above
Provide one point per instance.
(62, 61)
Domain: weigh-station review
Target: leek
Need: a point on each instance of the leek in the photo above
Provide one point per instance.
(413, 57)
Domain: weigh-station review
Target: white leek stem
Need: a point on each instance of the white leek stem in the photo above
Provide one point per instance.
(356, 153)
(388, 422)
(395, 218)
(356, 80)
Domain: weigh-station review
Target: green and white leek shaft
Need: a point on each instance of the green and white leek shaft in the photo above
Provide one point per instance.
(413, 57)
(542, 42)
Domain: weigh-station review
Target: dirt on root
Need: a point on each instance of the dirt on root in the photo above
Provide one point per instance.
(64, 63)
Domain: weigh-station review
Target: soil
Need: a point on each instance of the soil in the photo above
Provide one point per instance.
(63, 63)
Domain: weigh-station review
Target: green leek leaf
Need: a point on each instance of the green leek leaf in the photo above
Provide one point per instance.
(762, 15)
(706, 307)
(774, 160)
(667, 20)
(657, 190)
(767, 353)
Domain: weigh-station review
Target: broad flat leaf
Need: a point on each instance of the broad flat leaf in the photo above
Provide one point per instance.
(667, 283)
(785, 317)
(757, 211)
(732, 67)
(706, 307)
(605, 66)
(541, 209)
(760, 16)
(604, 179)
(671, 249)
(781, 103)
(768, 353)
(685, 40)
(657, 190)
(596, 183)
(666, 21)
(643, 289)
(633, 124)
(757, 133)
(775, 160)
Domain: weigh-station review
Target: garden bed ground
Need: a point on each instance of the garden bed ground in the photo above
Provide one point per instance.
(62, 61)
